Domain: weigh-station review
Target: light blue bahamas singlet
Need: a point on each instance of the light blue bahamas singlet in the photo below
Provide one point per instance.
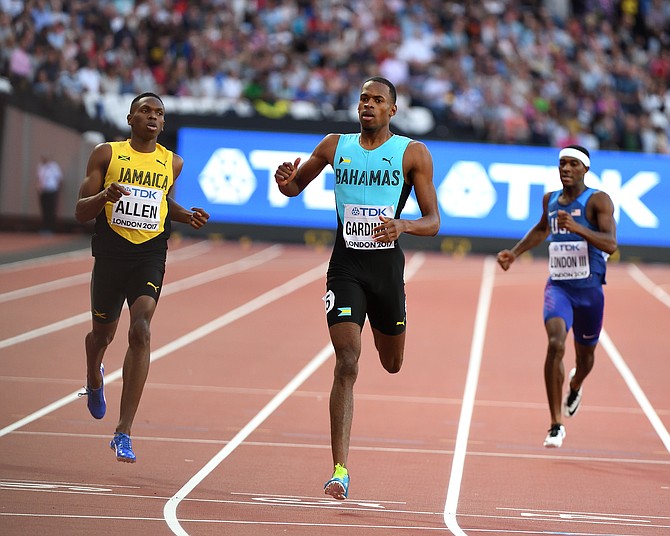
(368, 184)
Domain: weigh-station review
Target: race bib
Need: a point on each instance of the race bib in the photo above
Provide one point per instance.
(359, 222)
(569, 260)
(139, 210)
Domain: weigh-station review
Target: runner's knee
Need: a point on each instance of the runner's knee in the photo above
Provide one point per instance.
(346, 365)
(556, 346)
(98, 339)
(139, 333)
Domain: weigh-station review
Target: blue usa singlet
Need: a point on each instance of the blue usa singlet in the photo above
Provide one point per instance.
(573, 262)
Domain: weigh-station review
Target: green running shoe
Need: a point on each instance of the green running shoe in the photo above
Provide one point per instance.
(338, 485)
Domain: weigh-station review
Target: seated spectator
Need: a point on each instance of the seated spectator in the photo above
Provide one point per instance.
(21, 63)
(482, 68)
(69, 83)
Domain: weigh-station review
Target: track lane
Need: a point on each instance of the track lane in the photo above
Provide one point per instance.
(199, 397)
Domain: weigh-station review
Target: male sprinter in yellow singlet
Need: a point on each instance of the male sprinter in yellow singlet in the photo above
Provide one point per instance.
(375, 171)
(126, 191)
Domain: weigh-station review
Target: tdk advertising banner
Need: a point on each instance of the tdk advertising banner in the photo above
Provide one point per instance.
(483, 190)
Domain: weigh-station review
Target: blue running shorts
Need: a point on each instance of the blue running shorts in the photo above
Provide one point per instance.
(581, 309)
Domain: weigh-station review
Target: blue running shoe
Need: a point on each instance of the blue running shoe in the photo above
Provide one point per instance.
(338, 486)
(123, 447)
(97, 405)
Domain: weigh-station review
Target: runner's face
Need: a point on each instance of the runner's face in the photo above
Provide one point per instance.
(572, 171)
(375, 108)
(147, 118)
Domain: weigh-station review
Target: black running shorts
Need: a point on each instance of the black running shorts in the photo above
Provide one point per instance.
(367, 283)
(115, 281)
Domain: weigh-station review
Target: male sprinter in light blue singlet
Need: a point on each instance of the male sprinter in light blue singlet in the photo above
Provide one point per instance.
(374, 174)
(581, 223)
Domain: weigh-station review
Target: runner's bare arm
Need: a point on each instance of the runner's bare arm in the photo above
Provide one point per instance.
(293, 179)
(535, 236)
(92, 195)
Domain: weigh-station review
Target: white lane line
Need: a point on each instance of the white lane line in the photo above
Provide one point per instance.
(48, 259)
(615, 356)
(472, 378)
(86, 252)
(635, 388)
(177, 286)
(563, 514)
(370, 448)
(647, 284)
(189, 251)
(204, 330)
(182, 254)
(242, 522)
(170, 509)
(471, 386)
(56, 284)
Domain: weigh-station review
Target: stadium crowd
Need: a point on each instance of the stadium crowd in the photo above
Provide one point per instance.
(543, 72)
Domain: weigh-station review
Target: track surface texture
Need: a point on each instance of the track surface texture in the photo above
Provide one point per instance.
(232, 434)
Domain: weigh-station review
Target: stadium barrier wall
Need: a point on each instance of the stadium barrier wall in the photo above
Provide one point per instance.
(489, 195)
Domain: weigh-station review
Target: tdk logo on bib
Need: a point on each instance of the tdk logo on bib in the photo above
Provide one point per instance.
(144, 193)
(368, 212)
(359, 224)
(567, 246)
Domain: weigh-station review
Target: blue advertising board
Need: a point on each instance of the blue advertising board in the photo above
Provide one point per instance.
(486, 191)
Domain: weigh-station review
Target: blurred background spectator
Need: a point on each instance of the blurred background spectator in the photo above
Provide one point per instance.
(543, 72)
(49, 179)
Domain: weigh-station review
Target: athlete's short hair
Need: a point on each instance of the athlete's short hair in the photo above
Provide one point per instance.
(142, 95)
(387, 83)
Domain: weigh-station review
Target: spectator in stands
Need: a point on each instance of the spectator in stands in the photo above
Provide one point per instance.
(491, 52)
(44, 87)
(21, 62)
(89, 76)
(110, 79)
(630, 138)
(69, 84)
(56, 35)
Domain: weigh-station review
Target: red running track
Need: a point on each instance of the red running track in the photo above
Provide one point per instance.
(232, 432)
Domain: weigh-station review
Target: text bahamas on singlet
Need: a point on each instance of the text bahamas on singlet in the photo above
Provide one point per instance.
(377, 177)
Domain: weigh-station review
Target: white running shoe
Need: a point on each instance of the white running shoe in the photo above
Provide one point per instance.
(572, 398)
(555, 437)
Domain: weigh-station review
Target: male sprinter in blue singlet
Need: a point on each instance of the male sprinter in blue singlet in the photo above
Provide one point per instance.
(127, 191)
(581, 223)
(375, 171)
